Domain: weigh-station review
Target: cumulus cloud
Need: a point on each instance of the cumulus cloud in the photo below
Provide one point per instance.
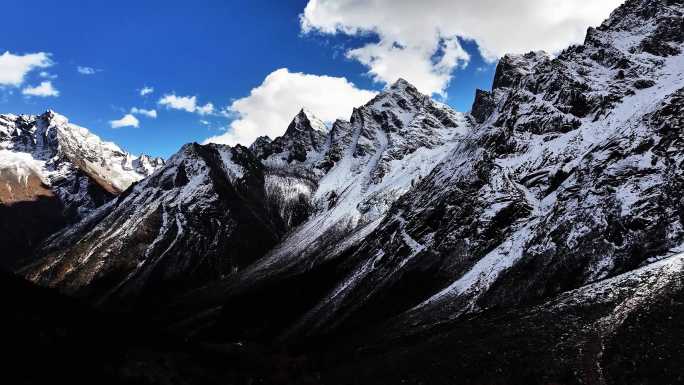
(270, 107)
(127, 121)
(140, 111)
(44, 89)
(186, 103)
(87, 70)
(419, 40)
(146, 91)
(14, 68)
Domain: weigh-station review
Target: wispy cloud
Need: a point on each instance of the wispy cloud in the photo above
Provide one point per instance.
(14, 68)
(127, 120)
(44, 89)
(186, 103)
(146, 91)
(47, 75)
(87, 70)
(140, 111)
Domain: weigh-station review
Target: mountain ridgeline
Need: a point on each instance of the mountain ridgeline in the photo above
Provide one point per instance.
(537, 239)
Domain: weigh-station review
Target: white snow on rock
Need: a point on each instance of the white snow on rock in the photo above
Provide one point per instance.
(54, 150)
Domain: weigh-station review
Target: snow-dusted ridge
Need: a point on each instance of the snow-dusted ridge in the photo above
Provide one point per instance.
(54, 150)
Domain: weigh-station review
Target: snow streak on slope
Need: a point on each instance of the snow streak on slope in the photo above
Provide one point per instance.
(389, 145)
(626, 116)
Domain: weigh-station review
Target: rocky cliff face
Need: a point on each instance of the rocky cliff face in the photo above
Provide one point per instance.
(571, 177)
(54, 173)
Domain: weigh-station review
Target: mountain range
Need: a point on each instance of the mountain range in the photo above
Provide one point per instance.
(537, 239)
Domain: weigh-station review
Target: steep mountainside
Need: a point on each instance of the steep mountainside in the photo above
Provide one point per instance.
(573, 176)
(570, 175)
(313, 186)
(202, 216)
(54, 173)
(367, 164)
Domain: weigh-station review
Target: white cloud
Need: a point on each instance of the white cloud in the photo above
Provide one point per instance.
(418, 39)
(127, 121)
(186, 103)
(44, 89)
(87, 70)
(270, 107)
(47, 75)
(205, 109)
(140, 111)
(14, 68)
(146, 91)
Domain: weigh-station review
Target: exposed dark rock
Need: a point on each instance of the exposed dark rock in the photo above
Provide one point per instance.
(483, 106)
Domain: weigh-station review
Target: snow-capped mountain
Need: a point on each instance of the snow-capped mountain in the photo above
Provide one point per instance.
(366, 164)
(567, 173)
(570, 177)
(213, 211)
(201, 216)
(58, 172)
(413, 230)
(51, 148)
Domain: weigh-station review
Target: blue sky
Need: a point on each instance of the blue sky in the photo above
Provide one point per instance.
(218, 51)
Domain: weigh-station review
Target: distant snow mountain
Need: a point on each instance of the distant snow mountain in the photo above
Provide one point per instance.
(53, 172)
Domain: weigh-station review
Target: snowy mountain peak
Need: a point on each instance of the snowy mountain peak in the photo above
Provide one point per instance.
(304, 138)
(401, 90)
(59, 150)
(260, 146)
(305, 120)
(53, 173)
(314, 122)
(402, 84)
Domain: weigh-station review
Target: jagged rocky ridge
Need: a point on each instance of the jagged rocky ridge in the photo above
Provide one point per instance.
(54, 173)
(570, 174)
(200, 217)
(302, 192)
(412, 230)
(573, 176)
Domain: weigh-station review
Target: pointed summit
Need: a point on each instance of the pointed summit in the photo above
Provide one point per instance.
(305, 134)
(402, 84)
(400, 96)
(306, 120)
